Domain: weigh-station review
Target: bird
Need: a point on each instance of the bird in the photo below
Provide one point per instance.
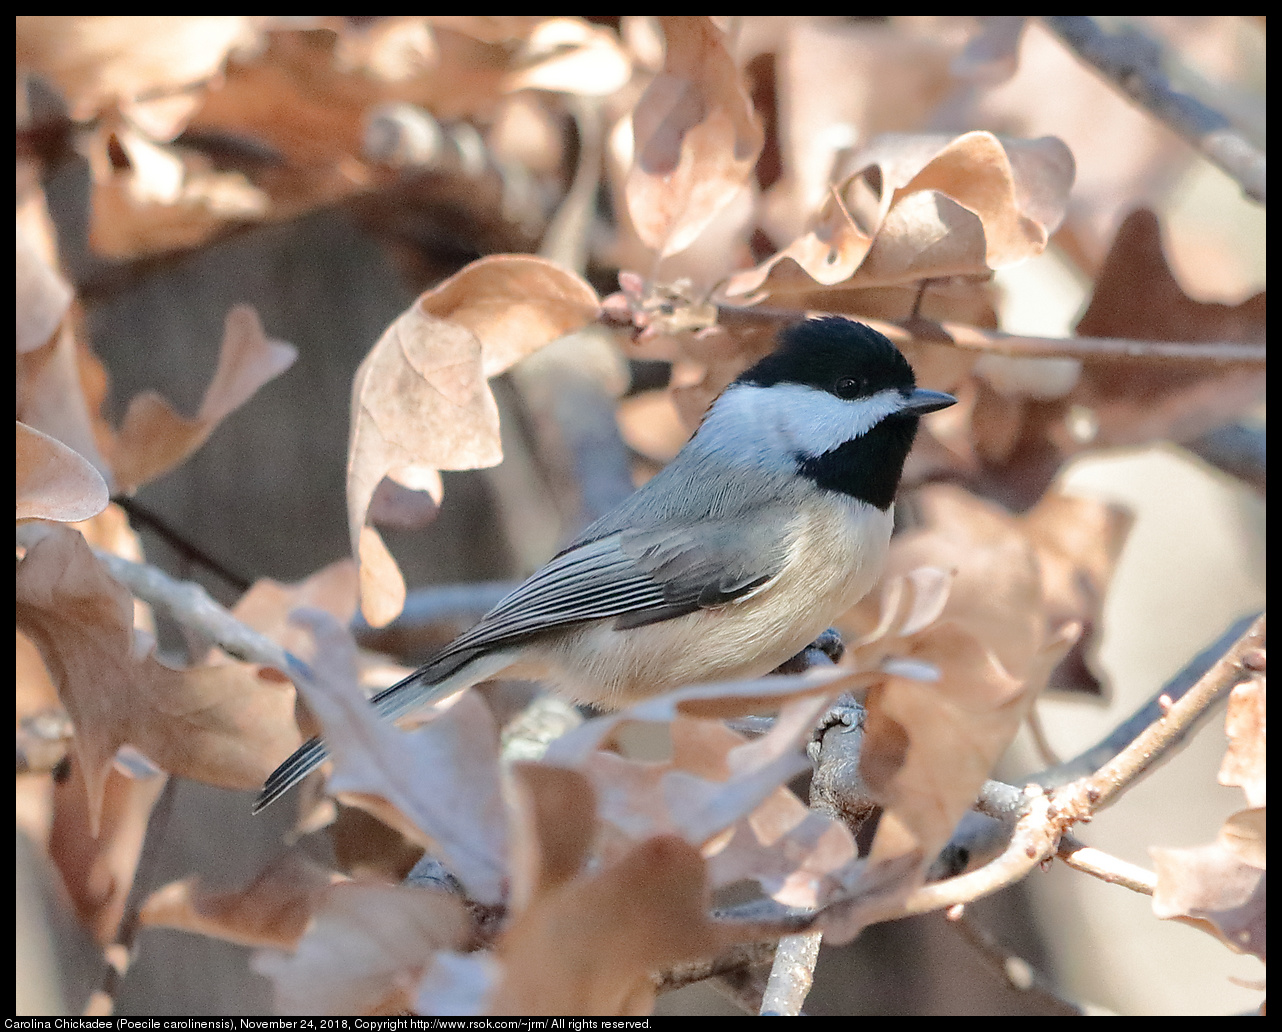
(772, 520)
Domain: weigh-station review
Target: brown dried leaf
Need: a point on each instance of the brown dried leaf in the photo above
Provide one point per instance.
(366, 949)
(273, 910)
(154, 438)
(225, 725)
(55, 482)
(922, 207)
(833, 78)
(1221, 886)
(696, 138)
(267, 604)
(1019, 578)
(514, 304)
(419, 404)
(553, 826)
(420, 401)
(1022, 438)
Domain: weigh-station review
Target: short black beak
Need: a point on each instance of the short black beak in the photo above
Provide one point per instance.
(920, 401)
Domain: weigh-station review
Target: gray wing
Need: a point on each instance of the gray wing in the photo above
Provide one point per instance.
(639, 576)
(631, 565)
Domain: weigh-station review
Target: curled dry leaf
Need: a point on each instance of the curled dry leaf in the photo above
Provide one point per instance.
(921, 207)
(366, 948)
(514, 304)
(696, 138)
(420, 401)
(832, 82)
(154, 438)
(437, 785)
(273, 910)
(55, 482)
(223, 725)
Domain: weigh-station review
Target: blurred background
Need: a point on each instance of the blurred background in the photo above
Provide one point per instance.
(330, 242)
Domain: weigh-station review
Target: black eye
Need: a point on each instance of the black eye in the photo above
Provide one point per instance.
(848, 387)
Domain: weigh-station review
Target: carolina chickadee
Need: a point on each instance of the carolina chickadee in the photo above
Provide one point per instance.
(773, 519)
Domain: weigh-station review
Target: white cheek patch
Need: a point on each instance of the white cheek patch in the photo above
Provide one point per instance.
(807, 420)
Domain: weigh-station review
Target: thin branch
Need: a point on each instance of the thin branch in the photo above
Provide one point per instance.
(1105, 866)
(153, 521)
(1005, 802)
(192, 606)
(1131, 62)
(1086, 796)
(1033, 840)
(791, 975)
(972, 338)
